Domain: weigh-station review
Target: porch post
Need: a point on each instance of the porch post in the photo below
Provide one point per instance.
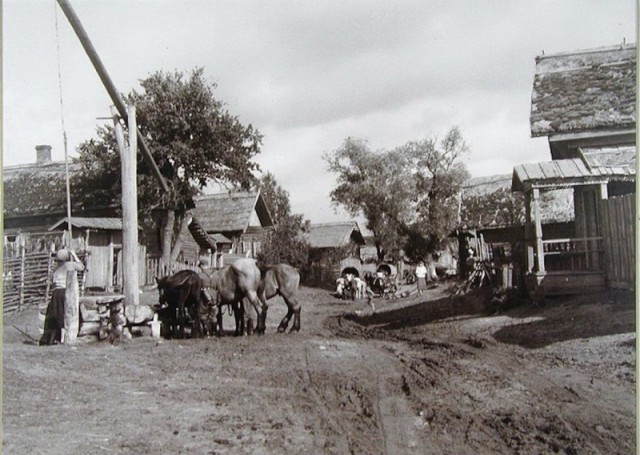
(595, 245)
(538, 230)
(603, 191)
(527, 230)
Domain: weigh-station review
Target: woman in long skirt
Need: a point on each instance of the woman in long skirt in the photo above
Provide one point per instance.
(421, 277)
(54, 318)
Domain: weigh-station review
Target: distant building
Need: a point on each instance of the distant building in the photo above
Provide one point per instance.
(334, 247)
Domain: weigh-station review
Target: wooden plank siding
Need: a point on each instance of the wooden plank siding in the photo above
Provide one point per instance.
(618, 230)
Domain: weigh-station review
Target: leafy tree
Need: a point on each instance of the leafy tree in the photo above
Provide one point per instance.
(439, 173)
(193, 139)
(285, 243)
(378, 186)
(409, 195)
(276, 197)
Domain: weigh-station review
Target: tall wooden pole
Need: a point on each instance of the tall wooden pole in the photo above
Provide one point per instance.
(130, 250)
(109, 85)
(537, 227)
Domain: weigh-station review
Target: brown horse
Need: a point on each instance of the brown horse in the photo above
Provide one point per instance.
(283, 280)
(238, 281)
(178, 292)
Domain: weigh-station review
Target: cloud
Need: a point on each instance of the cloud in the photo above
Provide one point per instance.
(308, 74)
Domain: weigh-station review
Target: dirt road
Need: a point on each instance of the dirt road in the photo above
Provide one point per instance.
(422, 375)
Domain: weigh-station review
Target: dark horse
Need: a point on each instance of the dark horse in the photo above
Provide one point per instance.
(179, 292)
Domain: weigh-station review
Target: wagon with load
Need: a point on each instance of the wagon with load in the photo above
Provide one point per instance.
(383, 283)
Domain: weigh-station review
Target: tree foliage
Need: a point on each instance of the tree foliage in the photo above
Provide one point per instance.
(276, 197)
(408, 195)
(192, 137)
(285, 243)
(439, 173)
(375, 185)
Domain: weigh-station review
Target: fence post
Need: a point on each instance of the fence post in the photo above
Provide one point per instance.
(22, 277)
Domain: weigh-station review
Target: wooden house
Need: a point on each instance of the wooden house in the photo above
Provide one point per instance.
(334, 247)
(492, 219)
(100, 239)
(585, 103)
(34, 194)
(237, 221)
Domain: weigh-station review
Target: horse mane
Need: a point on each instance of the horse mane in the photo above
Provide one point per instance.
(264, 267)
(183, 275)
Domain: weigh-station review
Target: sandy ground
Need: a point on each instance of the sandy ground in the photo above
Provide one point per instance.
(424, 374)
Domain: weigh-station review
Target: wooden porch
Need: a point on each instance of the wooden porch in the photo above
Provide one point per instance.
(575, 265)
(572, 265)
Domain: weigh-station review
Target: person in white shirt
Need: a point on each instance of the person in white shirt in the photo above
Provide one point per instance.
(421, 277)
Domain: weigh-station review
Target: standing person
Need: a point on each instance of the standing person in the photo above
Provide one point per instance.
(432, 275)
(54, 319)
(421, 277)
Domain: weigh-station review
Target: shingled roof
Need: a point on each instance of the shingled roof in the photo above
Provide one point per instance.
(333, 235)
(231, 212)
(584, 90)
(596, 165)
(81, 222)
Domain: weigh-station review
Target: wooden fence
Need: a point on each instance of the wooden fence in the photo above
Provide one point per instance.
(25, 280)
(154, 267)
(618, 231)
(26, 276)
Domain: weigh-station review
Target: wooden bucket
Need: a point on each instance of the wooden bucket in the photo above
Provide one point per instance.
(42, 312)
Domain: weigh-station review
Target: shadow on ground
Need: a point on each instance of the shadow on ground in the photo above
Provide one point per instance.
(560, 319)
(569, 318)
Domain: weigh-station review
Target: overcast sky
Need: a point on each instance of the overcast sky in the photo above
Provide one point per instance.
(307, 74)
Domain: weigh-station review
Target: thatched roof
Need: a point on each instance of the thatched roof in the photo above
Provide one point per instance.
(479, 186)
(231, 212)
(333, 235)
(584, 90)
(35, 189)
(556, 206)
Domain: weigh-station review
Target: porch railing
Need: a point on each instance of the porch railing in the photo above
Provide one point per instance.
(577, 254)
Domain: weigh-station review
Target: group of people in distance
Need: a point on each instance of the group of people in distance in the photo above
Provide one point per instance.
(426, 277)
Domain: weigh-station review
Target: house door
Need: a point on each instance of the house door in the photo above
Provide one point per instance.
(98, 261)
